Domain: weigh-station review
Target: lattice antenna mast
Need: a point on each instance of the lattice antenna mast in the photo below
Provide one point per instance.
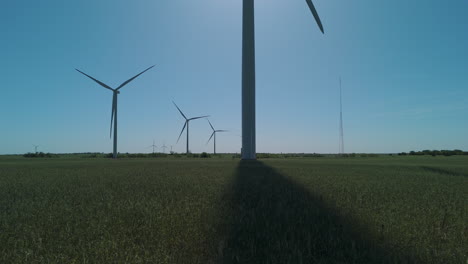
(341, 124)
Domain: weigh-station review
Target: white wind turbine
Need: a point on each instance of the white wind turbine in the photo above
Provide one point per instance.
(164, 147)
(114, 103)
(248, 76)
(341, 125)
(213, 135)
(187, 120)
(154, 146)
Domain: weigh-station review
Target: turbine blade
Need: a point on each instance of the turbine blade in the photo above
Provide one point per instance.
(133, 78)
(193, 118)
(182, 131)
(112, 115)
(316, 16)
(210, 124)
(212, 134)
(179, 110)
(222, 130)
(99, 82)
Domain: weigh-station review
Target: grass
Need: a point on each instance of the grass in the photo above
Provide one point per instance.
(178, 210)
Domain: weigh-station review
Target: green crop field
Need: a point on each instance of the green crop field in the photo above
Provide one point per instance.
(384, 209)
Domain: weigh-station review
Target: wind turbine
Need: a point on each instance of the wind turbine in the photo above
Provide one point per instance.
(154, 146)
(35, 148)
(164, 148)
(214, 135)
(248, 76)
(341, 125)
(187, 120)
(114, 103)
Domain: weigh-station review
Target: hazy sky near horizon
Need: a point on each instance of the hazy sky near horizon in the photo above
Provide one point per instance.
(404, 67)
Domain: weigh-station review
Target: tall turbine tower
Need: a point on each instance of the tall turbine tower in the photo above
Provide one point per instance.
(187, 120)
(114, 104)
(35, 148)
(214, 135)
(248, 76)
(341, 125)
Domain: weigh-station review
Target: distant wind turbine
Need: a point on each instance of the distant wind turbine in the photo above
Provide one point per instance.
(187, 120)
(154, 146)
(114, 103)
(35, 148)
(248, 76)
(164, 148)
(214, 135)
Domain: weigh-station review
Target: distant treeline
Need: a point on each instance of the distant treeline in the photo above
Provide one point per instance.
(236, 155)
(160, 155)
(288, 155)
(120, 155)
(40, 155)
(317, 155)
(435, 153)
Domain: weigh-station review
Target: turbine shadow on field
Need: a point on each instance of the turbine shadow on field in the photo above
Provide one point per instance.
(444, 171)
(275, 220)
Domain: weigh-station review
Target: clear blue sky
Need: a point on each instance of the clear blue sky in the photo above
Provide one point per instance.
(404, 66)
